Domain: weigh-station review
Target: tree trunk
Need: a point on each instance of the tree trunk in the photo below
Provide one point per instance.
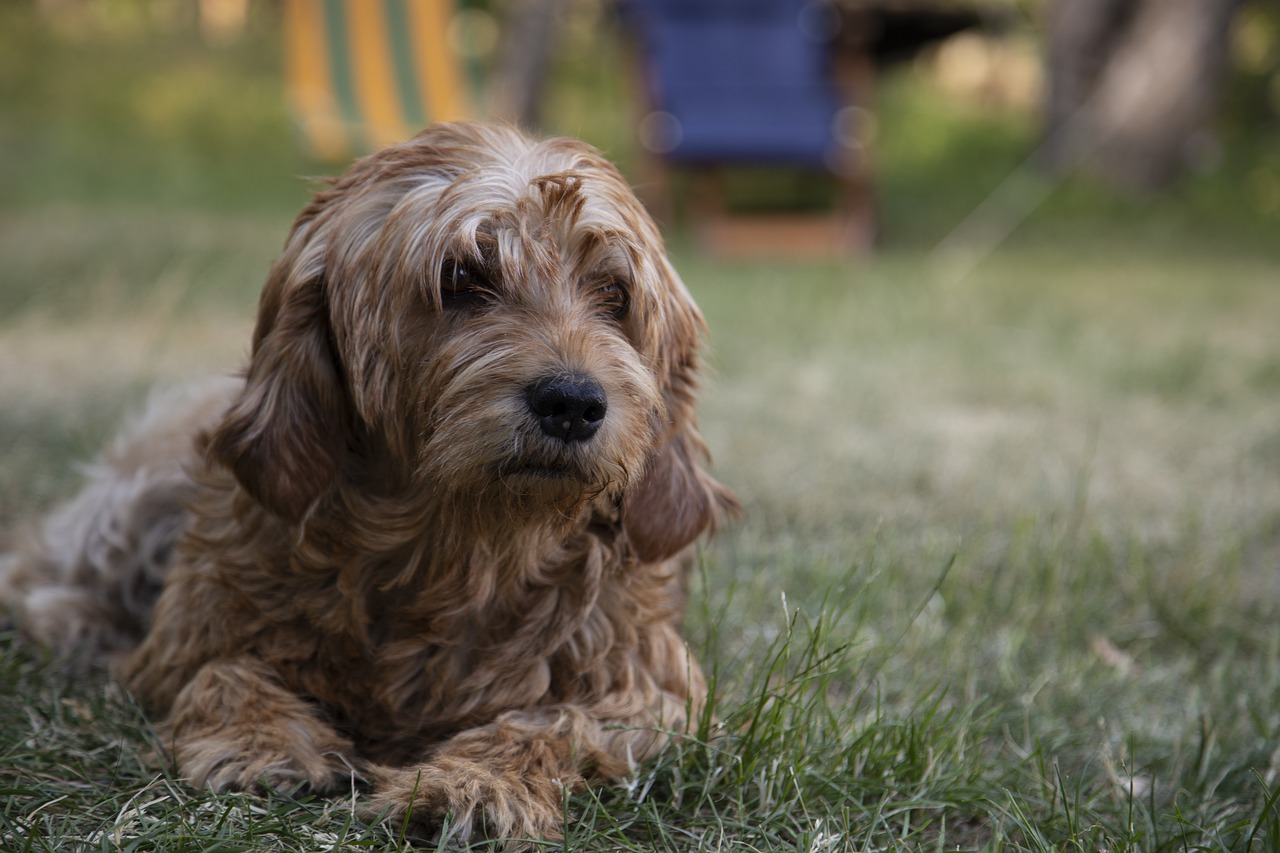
(525, 58)
(1133, 85)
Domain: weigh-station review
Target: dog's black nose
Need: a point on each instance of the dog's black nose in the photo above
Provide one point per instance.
(568, 406)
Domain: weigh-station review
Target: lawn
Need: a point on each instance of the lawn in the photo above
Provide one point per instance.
(1009, 572)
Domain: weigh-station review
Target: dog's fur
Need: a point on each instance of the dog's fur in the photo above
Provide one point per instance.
(374, 559)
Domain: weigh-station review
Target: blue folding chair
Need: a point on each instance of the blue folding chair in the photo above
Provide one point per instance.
(745, 83)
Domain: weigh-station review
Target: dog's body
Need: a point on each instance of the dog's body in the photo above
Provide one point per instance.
(438, 534)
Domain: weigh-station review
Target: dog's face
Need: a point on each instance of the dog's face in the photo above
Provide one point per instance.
(484, 320)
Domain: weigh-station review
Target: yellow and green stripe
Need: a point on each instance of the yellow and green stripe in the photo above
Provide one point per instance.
(366, 73)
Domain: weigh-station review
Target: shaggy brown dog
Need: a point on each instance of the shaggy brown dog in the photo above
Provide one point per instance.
(437, 535)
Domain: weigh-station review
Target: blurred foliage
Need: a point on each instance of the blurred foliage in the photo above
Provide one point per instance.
(1253, 98)
(126, 100)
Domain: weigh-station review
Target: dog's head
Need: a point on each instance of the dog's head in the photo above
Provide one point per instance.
(476, 318)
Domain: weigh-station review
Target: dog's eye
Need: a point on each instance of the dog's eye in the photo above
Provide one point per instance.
(613, 297)
(463, 283)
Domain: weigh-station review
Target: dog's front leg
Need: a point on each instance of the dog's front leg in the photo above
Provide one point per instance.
(509, 779)
(233, 726)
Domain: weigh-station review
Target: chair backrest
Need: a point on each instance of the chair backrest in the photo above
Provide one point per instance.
(363, 75)
(737, 80)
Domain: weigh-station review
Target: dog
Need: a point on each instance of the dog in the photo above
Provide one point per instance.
(437, 534)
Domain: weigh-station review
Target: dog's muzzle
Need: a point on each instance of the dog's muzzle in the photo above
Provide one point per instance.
(569, 407)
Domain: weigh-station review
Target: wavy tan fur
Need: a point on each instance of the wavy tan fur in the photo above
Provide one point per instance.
(382, 563)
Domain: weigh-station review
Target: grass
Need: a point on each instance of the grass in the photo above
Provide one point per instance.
(1007, 578)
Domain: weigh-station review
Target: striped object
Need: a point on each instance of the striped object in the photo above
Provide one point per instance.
(366, 73)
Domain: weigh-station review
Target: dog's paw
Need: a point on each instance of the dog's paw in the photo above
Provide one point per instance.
(291, 759)
(233, 727)
(465, 801)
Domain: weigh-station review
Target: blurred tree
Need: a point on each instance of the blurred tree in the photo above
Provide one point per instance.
(1133, 84)
(524, 60)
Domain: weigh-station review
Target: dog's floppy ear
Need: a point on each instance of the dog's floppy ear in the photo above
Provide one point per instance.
(286, 433)
(676, 500)
(286, 437)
